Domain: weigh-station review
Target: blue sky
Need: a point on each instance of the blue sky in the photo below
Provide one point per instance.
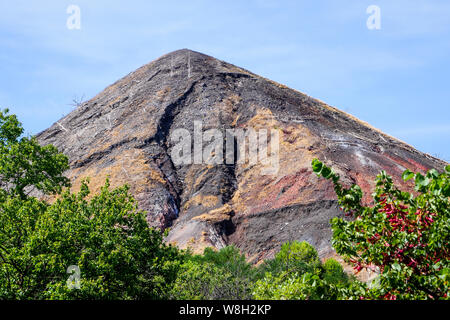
(395, 78)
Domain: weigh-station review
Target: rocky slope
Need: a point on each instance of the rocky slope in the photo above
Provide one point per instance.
(125, 132)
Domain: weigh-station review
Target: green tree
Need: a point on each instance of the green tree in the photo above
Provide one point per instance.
(293, 257)
(334, 273)
(228, 258)
(297, 273)
(206, 281)
(298, 256)
(402, 236)
(25, 165)
(106, 237)
(285, 286)
(215, 274)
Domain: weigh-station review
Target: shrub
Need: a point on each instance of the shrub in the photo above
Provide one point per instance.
(285, 286)
(293, 257)
(229, 259)
(25, 165)
(207, 281)
(334, 273)
(402, 236)
(297, 273)
(227, 269)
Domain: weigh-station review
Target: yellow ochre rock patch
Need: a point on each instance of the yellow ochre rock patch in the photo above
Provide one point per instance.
(216, 215)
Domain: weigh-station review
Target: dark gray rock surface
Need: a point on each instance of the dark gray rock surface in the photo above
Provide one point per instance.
(125, 133)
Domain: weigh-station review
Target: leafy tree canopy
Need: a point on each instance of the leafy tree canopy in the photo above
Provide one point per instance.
(25, 165)
(106, 238)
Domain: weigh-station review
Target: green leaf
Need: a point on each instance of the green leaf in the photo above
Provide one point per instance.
(446, 190)
(407, 174)
(349, 198)
(396, 266)
(335, 178)
(326, 172)
(317, 166)
(432, 174)
(405, 195)
(421, 181)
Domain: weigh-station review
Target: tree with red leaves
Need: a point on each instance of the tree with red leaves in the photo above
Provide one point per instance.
(401, 236)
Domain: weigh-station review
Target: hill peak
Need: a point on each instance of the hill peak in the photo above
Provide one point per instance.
(127, 132)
